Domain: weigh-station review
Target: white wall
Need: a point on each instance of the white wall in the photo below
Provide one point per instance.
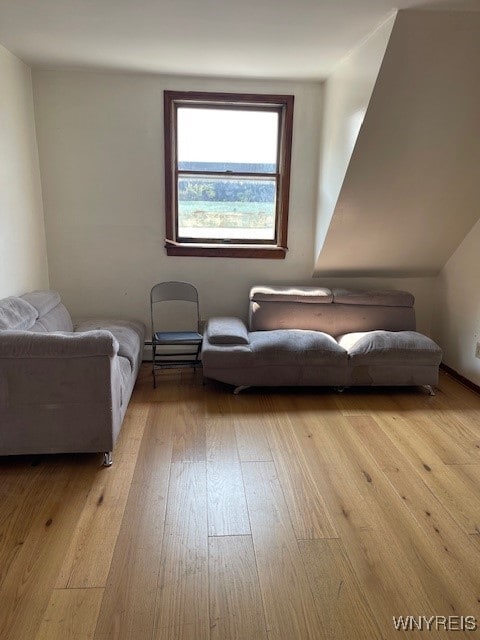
(100, 139)
(411, 191)
(23, 258)
(458, 326)
(347, 94)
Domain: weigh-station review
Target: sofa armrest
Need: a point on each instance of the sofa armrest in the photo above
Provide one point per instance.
(50, 370)
(26, 344)
(227, 331)
(60, 392)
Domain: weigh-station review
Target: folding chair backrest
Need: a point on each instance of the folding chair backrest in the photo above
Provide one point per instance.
(174, 292)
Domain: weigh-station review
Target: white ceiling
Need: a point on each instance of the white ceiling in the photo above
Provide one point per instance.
(242, 38)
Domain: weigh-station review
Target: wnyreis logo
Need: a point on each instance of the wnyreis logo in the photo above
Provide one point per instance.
(435, 623)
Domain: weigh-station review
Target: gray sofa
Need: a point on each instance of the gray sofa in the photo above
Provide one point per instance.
(63, 387)
(318, 336)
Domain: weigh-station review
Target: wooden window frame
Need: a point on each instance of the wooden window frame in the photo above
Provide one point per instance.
(283, 104)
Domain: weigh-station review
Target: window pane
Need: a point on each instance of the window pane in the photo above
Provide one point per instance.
(226, 208)
(227, 140)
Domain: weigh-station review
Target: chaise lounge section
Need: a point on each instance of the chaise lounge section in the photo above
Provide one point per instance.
(64, 387)
(321, 337)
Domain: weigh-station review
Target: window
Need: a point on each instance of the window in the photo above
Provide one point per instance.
(227, 174)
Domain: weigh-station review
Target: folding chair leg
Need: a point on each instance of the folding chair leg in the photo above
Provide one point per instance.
(154, 354)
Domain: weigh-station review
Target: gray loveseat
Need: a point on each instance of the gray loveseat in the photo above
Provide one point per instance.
(318, 336)
(63, 387)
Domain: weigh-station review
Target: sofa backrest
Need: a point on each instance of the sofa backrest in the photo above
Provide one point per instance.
(335, 311)
(16, 314)
(52, 314)
(39, 311)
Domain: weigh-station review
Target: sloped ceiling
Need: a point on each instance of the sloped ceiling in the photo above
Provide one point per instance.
(411, 191)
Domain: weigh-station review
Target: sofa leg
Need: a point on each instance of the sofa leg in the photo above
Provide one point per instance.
(430, 389)
(107, 459)
(237, 390)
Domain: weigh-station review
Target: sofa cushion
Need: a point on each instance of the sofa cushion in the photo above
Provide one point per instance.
(390, 347)
(43, 301)
(381, 298)
(52, 314)
(129, 333)
(227, 331)
(125, 371)
(57, 319)
(296, 346)
(16, 314)
(229, 356)
(291, 294)
(282, 347)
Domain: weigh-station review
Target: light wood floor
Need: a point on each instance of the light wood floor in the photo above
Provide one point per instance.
(292, 514)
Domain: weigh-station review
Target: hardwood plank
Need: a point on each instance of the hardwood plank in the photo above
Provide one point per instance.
(470, 475)
(306, 505)
(227, 507)
(439, 542)
(457, 395)
(362, 401)
(456, 425)
(182, 596)
(349, 405)
(31, 576)
(447, 438)
(71, 614)
(173, 385)
(251, 421)
(453, 493)
(318, 419)
(221, 439)
(236, 611)
(189, 433)
(377, 552)
(344, 499)
(337, 593)
(289, 607)
(128, 605)
(24, 484)
(456, 437)
(88, 559)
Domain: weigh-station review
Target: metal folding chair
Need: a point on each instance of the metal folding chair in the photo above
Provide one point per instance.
(170, 349)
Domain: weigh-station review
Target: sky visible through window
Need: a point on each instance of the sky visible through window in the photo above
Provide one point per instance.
(221, 135)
